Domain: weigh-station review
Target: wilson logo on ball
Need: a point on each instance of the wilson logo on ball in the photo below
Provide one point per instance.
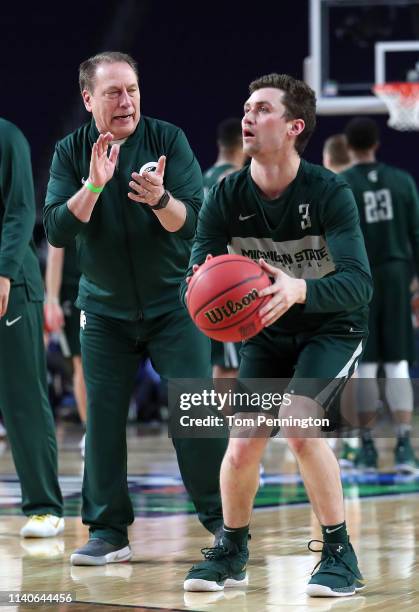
(230, 308)
(223, 297)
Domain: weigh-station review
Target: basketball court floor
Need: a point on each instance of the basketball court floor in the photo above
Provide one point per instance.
(382, 514)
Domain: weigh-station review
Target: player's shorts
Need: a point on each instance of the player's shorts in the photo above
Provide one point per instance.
(390, 321)
(71, 331)
(225, 354)
(313, 365)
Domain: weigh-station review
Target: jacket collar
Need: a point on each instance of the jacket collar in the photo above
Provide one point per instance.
(131, 140)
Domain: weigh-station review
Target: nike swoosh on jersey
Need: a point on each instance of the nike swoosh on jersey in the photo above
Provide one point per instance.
(10, 323)
(242, 218)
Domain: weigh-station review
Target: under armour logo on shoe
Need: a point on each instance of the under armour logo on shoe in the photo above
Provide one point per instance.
(339, 548)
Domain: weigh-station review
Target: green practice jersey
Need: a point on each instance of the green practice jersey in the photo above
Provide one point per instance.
(311, 231)
(213, 175)
(388, 207)
(18, 260)
(131, 266)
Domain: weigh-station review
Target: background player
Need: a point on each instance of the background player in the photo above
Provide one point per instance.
(388, 206)
(62, 316)
(304, 219)
(23, 378)
(336, 159)
(335, 153)
(225, 356)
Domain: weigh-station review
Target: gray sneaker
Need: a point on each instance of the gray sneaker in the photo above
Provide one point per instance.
(99, 552)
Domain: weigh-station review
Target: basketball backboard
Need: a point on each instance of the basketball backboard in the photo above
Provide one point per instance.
(355, 44)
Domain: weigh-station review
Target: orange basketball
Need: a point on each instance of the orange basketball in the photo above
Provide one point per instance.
(223, 298)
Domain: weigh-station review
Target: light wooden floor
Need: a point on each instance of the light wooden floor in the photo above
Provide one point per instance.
(383, 530)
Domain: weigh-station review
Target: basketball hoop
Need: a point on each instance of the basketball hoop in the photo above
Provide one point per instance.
(402, 100)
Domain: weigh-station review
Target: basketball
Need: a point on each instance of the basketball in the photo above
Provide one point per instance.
(223, 298)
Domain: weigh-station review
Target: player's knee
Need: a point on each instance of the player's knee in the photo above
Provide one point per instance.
(242, 453)
(298, 445)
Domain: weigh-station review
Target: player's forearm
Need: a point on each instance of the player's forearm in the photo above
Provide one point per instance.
(343, 291)
(82, 203)
(53, 273)
(173, 217)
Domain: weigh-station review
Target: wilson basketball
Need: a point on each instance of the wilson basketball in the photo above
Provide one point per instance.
(223, 298)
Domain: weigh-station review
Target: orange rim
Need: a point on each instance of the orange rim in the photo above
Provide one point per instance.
(405, 90)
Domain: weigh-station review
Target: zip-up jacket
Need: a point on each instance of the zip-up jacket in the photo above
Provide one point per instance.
(131, 266)
(18, 260)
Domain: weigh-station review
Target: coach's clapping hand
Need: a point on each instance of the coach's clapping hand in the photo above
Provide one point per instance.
(102, 166)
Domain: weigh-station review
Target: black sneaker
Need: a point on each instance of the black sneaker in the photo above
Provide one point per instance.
(99, 552)
(224, 566)
(338, 574)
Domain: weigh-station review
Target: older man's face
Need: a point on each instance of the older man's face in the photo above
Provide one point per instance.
(115, 99)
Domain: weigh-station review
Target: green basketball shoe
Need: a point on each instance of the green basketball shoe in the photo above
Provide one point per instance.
(367, 457)
(405, 460)
(347, 456)
(338, 574)
(224, 566)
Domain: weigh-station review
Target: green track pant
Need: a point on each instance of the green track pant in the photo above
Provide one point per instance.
(111, 351)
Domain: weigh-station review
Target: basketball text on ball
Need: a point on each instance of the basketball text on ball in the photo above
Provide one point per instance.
(230, 308)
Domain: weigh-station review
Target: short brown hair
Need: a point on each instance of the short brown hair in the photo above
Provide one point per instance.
(299, 101)
(87, 69)
(337, 148)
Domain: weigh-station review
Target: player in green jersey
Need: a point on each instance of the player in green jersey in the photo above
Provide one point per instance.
(388, 207)
(62, 278)
(23, 377)
(301, 223)
(335, 153)
(336, 159)
(225, 356)
(127, 188)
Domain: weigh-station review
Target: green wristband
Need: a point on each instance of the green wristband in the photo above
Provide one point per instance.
(92, 188)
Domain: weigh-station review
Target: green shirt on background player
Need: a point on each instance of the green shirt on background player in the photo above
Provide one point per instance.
(132, 212)
(23, 380)
(225, 356)
(388, 207)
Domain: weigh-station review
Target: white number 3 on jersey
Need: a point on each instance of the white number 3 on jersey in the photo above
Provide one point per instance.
(303, 209)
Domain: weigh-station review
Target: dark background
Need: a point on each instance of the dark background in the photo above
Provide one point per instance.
(196, 61)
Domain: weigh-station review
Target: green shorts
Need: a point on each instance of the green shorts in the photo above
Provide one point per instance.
(225, 354)
(71, 331)
(390, 322)
(314, 365)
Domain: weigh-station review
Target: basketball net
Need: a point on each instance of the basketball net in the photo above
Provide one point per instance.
(402, 100)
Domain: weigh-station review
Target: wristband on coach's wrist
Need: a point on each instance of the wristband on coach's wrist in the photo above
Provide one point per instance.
(92, 188)
(51, 300)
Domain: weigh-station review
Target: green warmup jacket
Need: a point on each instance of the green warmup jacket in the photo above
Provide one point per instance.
(131, 266)
(18, 260)
(311, 231)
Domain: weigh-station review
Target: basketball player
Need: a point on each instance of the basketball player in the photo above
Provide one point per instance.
(388, 207)
(62, 316)
(133, 233)
(336, 159)
(301, 223)
(23, 377)
(335, 153)
(225, 356)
